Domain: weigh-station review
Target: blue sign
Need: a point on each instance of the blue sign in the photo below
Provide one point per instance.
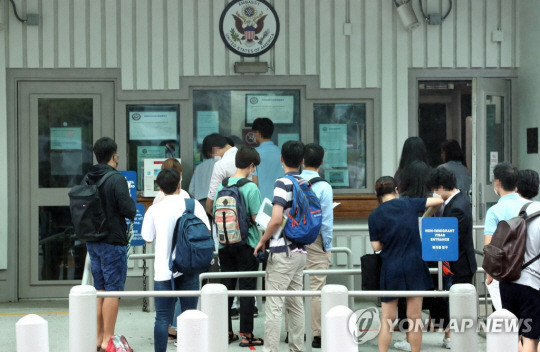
(137, 239)
(131, 178)
(440, 239)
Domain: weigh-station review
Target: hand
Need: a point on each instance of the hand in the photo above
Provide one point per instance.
(489, 279)
(259, 247)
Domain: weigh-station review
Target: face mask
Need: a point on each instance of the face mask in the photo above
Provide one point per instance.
(495, 190)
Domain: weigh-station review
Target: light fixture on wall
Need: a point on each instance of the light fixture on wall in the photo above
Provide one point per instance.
(406, 14)
(435, 18)
(251, 67)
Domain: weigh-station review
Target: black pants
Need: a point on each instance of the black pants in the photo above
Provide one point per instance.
(240, 258)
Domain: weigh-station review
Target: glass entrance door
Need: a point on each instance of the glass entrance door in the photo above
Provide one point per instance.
(58, 123)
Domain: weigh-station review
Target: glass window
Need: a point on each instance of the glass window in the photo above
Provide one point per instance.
(153, 132)
(65, 140)
(231, 113)
(340, 128)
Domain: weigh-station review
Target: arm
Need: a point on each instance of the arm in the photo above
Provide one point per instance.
(433, 204)
(214, 184)
(377, 246)
(273, 226)
(327, 217)
(255, 179)
(148, 230)
(125, 203)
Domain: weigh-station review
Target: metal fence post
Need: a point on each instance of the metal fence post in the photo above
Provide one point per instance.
(463, 310)
(214, 302)
(331, 296)
(193, 331)
(502, 331)
(82, 319)
(340, 338)
(32, 334)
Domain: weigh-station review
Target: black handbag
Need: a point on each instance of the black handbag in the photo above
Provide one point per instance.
(371, 272)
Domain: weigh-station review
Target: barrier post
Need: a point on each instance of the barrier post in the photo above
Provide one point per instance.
(32, 334)
(82, 319)
(193, 331)
(331, 296)
(339, 335)
(463, 311)
(214, 303)
(502, 331)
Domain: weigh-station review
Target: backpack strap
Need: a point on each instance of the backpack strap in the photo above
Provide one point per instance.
(314, 180)
(190, 205)
(225, 182)
(105, 177)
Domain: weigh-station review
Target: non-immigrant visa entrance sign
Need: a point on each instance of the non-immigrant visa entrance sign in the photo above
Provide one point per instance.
(440, 239)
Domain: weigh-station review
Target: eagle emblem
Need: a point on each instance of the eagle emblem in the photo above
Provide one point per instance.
(249, 24)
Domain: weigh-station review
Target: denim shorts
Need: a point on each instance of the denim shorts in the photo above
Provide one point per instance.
(109, 265)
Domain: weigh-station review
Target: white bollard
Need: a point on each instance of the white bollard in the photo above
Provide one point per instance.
(331, 296)
(32, 334)
(339, 333)
(193, 332)
(214, 301)
(502, 331)
(82, 319)
(463, 317)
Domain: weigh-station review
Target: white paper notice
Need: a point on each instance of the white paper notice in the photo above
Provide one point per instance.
(278, 108)
(333, 138)
(152, 125)
(207, 123)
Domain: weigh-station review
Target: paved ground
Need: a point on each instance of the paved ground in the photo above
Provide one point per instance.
(137, 326)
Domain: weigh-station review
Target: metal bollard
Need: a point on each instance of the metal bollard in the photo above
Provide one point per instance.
(193, 332)
(463, 310)
(32, 333)
(214, 302)
(502, 331)
(331, 296)
(339, 335)
(82, 319)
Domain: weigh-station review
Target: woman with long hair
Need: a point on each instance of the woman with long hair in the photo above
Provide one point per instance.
(413, 149)
(393, 230)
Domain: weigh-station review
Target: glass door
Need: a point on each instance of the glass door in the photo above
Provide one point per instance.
(58, 124)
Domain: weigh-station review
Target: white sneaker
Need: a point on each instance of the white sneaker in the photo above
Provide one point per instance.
(403, 345)
(446, 343)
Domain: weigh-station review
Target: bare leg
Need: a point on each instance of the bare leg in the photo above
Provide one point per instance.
(414, 314)
(99, 321)
(389, 312)
(529, 345)
(110, 312)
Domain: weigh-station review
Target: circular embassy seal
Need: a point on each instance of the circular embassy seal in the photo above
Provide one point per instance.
(249, 27)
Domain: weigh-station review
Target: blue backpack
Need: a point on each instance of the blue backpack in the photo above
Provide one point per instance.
(192, 244)
(305, 215)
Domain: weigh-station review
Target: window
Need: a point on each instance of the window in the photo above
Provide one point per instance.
(231, 113)
(153, 133)
(340, 128)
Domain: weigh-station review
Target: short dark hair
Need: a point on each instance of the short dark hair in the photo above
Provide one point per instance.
(168, 180)
(452, 151)
(527, 185)
(384, 185)
(245, 156)
(413, 180)
(313, 155)
(292, 153)
(441, 176)
(217, 140)
(507, 174)
(206, 147)
(104, 149)
(264, 125)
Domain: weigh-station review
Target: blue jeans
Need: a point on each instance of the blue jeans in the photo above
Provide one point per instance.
(165, 306)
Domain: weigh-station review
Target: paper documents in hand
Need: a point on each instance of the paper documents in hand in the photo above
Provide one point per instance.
(265, 214)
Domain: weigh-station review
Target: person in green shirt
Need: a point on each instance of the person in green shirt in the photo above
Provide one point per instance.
(239, 256)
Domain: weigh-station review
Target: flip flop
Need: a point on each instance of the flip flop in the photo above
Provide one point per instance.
(252, 341)
(233, 337)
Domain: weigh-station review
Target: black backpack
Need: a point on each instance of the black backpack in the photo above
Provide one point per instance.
(86, 208)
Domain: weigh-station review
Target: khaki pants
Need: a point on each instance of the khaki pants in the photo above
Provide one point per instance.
(317, 259)
(284, 272)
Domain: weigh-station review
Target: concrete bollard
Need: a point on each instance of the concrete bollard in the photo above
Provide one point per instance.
(464, 314)
(339, 336)
(82, 319)
(214, 301)
(32, 334)
(193, 332)
(502, 331)
(331, 296)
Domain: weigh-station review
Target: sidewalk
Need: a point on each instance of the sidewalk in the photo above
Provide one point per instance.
(138, 327)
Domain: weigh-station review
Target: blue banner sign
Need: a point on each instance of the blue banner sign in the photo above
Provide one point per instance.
(440, 239)
(131, 178)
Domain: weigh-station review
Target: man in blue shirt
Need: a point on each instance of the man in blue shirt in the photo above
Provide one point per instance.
(318, 253)
(270, 168)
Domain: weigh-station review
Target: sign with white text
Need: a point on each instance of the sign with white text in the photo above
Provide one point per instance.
(440, 239)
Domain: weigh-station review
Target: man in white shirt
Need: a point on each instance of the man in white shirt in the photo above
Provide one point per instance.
(158, 225)
(223, 168)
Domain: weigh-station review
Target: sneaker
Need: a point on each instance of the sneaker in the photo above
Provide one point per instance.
(175, 342)
(255, 312)
(402, 345)
(234, 314)
(287, 338)
(446, 343)
(316, 343)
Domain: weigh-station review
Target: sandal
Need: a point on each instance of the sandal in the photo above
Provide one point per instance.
(233, 337)
(172, 337)
(251, 341)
